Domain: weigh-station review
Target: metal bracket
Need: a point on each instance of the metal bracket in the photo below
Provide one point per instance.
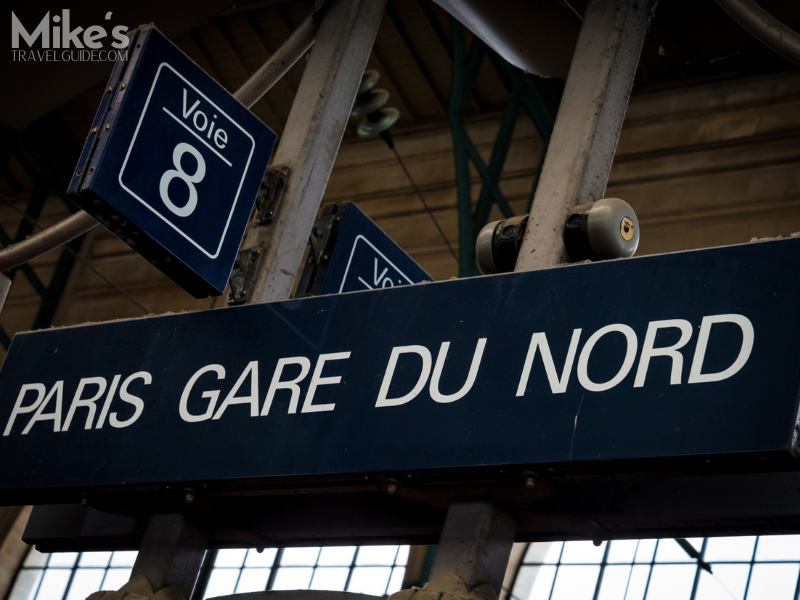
(270, 194)
(320, 237)
(320, 245)
(244, 270)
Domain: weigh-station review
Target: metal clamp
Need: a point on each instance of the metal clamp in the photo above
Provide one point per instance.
(243, 272)
(270, 194)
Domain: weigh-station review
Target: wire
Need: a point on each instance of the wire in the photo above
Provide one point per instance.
(390, 143)
(79, 258)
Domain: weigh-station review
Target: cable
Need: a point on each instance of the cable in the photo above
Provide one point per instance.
(80, 259)
(390, 143)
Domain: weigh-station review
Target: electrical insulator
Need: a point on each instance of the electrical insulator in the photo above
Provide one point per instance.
(598, 230)
(368, 112)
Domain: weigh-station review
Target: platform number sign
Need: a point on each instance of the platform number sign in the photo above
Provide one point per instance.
(361, 257)
(173, 164)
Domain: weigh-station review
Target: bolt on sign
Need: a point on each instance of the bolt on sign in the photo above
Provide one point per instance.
(663, 358)
(172, 164)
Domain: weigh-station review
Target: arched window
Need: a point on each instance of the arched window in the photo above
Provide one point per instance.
(376, 570)
(742, 568)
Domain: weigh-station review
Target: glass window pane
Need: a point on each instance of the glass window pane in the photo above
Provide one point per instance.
(337, 556)
(300, 556)
(62, 559)
(123, 559)
(253, 580)
(670, 551)
(265, 558)
(669, 582)
(534, 582)
(615, 581)
(85, 582)
(116, 578)
(221, 582)
(396, 580)
(778, 547)
(575, 583)
(638, 583)
(543, 552)
(402, 555)
(646, 550)
(230, 557)
(730, 548)
(94, 559)
(369, 580)
(330, 578)
(54, 583)
(376, 555)
(36, 558)
(26, 584)
(292, 578)
(773, 582)
(622, 551)
(583, 552)
(728, 581)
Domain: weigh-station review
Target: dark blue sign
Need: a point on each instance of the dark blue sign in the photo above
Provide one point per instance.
(693, 354)
(173, 163)
(365, 258)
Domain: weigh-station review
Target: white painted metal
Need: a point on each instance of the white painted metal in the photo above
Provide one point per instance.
(766, 28)
(581, 150)
(314, 133)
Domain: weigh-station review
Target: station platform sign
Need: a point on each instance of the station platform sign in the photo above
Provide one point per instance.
(692, 355)
(172, 164)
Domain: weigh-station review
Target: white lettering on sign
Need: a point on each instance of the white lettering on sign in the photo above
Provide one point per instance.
(202, 123)
(47, 405)
(388, 276)
(188, 179)
(558, 385)
(425, 372)
(300, 384)
(245, 390)
(211, 149)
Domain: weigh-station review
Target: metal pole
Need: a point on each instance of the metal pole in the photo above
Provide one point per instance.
(280, 62)
(580, 153)
(314, 132)
(248, 94)
(46, 240)
(766, 28)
